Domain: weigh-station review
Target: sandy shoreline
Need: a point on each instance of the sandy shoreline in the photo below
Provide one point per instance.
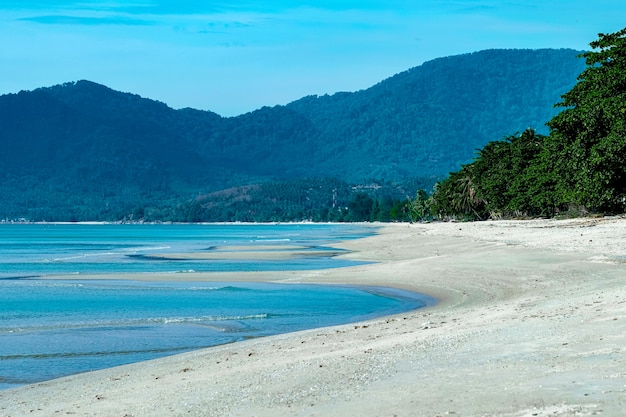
(531, 322)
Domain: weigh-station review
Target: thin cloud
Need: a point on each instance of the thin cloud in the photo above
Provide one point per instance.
(88, 21)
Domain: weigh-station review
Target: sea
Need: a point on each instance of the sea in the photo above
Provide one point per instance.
(52, 326)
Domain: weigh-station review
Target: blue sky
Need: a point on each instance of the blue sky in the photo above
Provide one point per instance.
(235, 57)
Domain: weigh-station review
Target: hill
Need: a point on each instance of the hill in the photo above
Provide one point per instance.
(81, 151)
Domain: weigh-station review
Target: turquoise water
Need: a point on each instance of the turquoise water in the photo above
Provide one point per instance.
(51, 328)
(49, 249)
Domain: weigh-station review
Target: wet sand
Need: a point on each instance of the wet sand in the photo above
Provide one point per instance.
(531, 322)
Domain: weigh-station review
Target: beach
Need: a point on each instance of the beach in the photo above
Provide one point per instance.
(531, 321)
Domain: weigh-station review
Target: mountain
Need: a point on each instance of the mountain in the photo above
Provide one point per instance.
(430, 119)
(83, 151)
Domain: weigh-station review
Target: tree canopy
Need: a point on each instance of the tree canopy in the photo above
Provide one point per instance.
(588, 138)
(581, 163)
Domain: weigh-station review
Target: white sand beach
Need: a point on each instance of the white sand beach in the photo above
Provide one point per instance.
(531, 322)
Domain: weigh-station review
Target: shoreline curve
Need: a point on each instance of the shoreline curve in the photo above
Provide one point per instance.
(531, 320)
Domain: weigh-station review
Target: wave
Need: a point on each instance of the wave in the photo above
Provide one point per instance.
(75, 257)
(227, 288)
(146, 248)
(96, 254)
(36, 281)
(207, 321)
(259, 316)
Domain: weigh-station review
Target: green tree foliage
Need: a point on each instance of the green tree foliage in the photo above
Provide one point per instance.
(507, 178)
(310, 199)
(581, 163)
(419, 208)
(456, 196)
(361, 208)
(588, 138)
(504, 182)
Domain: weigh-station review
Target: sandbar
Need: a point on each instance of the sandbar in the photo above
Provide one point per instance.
(249, 252)
(531, 321)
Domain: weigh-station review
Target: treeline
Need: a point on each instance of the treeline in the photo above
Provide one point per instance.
(311, 199)
(578, 168)
(361, 208)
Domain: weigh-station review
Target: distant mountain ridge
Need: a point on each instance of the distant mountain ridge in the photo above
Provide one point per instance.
(83, 151)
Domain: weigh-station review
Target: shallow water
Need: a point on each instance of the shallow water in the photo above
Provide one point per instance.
(54, 328)
(52, 249)
(51, 328)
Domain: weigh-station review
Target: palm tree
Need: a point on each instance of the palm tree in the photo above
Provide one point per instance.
(466, 200)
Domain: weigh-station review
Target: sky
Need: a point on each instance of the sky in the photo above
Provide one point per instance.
(232, 57)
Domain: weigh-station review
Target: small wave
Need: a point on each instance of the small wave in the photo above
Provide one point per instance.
(121, 252)
(75, 257)
(200, 288)
(145, 249)
(261, 316)
(36, 281)
(150, 321)
(176, 320)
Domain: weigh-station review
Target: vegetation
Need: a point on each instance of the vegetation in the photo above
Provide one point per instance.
(580, 165)
(312, 199)
(81, 151)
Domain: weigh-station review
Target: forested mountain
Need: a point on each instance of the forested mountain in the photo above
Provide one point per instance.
(81, 151)
(430, 119)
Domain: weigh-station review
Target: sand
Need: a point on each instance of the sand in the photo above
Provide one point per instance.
(531, 322)
(252, 252)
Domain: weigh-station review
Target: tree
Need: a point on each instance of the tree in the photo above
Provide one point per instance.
(360, 208)
(419, 207)
(588, 138)
(503, 180)
(457, 196)
(467, 200)
(492, 174)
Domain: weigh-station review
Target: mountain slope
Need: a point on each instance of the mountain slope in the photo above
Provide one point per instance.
(430, 119)
(83, 151)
